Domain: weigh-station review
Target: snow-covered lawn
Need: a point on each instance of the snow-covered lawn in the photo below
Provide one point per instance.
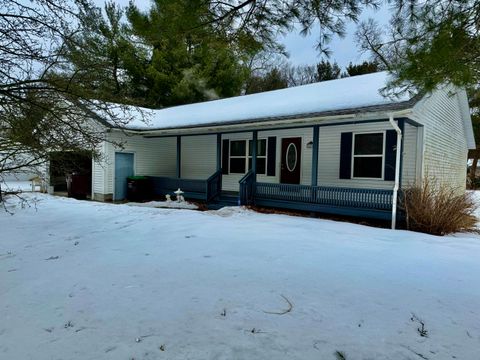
(165, 204)
(85, 280)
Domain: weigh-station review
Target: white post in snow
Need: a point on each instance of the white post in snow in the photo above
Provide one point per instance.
(397, 170)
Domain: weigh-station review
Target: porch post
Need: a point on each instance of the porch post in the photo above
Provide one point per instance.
(254, 154)
(219, 152)
(401, 125)
(179, 156)
(315, 155)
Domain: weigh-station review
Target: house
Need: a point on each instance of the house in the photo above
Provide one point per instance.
(327, 147)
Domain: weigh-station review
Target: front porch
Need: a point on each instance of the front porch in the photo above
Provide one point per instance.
(368, 203)
(362, 199)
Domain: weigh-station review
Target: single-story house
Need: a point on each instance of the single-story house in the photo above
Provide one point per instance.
(336, 147)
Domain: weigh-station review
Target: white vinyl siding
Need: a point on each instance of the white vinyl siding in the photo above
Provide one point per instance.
(411, 149)
(99, 168)
(329, 155)
(445, 157)
(199, 156)
(157, 156)
(153, 156)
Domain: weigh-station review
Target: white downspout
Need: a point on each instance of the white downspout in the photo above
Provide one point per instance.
(397, 170)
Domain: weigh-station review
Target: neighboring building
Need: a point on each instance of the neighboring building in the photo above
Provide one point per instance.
(35, 169)
(329, 147)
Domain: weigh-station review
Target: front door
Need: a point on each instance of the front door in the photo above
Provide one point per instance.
(123, 169)
(290, 165)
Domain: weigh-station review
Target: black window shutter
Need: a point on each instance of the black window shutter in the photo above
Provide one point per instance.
(272, 155)
(390, 154)
(346, 155)
(225, 155)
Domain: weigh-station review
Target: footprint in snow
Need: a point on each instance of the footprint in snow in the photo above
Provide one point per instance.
(111, 348)
(69, 324)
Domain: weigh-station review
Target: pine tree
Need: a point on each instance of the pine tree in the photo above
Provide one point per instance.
(327, 71)
(188, 59)
(274, 79)
(428, 43)
(366, 67)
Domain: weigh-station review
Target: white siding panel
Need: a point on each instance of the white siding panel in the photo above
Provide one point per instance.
(98, 172)
(329, 156)
(199, 156)
(409, 176)
(446, 150)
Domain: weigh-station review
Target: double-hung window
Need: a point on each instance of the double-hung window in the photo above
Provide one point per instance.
(261, 155)
(368, 155)
(238, 149)
(241, 156)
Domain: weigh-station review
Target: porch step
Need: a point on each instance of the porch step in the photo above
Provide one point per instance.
(223, 200)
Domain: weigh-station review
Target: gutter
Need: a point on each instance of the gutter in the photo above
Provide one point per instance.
(397, 170)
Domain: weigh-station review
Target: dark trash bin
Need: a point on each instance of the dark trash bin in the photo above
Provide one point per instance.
(78, 186)
(139, 188)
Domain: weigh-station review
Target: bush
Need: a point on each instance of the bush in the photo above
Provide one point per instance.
(439, 210)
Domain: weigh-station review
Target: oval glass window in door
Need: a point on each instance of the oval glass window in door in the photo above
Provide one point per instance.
(291, 157)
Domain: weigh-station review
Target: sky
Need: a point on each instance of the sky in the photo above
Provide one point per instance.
(344, 50)
(301, 49)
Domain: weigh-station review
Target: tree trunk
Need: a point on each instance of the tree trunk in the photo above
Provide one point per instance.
(473, 171)
(475, 156)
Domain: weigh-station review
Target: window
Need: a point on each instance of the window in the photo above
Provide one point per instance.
(237, 156)
(261, 155)
(240, 160)
(368, 153)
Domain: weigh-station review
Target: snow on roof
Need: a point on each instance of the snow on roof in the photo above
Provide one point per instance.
(334, 95)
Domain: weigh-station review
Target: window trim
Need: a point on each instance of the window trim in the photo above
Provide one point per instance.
(382, 178)
(247, 156)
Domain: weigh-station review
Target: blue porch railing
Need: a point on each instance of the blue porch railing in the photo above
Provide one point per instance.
(214, 186)
(194, 189)
(247, 189)
(375, 203)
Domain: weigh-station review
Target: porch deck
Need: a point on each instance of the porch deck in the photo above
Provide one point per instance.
(368, 203)
(205, 190)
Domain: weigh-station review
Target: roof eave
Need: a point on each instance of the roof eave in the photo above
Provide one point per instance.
(342, 113)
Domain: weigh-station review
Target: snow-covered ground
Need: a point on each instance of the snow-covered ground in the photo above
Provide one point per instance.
(166, 204)
(86, 280)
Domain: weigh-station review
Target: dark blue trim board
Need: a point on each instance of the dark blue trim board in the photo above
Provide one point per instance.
(316, 134)
(401, 125)
(219, 152)
(179, 156)
(254, 154)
